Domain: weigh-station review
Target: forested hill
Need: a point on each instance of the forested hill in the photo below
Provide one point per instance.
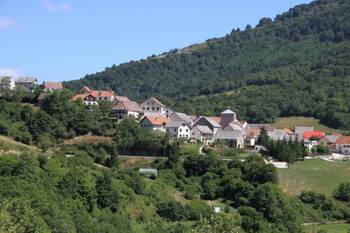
(296, 64)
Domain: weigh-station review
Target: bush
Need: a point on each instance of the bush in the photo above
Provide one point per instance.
(342, 193)
(172, 211)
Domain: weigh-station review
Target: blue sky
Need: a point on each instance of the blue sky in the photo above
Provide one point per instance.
(65, 39)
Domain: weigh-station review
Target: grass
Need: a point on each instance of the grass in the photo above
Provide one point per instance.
(314, 175)
(290, 122)
(332, 228)
(11, 146)
(87, 139)
(190, 148)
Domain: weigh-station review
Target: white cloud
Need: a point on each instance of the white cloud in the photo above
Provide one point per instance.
(52, 7)
(7, 22)
(8, 71)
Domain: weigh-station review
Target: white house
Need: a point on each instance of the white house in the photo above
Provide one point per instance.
(27, 83)
(178, 129)
(154, 123)
(7, 83)
(202, 133)
(153, 107)
(343, 145)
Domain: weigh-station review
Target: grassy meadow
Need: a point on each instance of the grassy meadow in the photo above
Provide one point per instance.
(314, 175)
(290, 122)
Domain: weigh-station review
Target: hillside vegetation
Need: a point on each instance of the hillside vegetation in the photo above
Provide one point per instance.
(295, 65)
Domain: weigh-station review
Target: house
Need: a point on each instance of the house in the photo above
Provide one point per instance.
(125, 109)
(87, 99)
(155, 123)
(343, 145)
(213, 125)
(27, 83)
(251, 137)
(7, 83)
(178, 129)
(179, 116)
(99, 95)
(52, 86)
(153, 107)
(309, 135)
(202, 133)
(329, 141)
(300, 130)
(234, 138)
(91, 97)
(41, 97)
(227, 117)
(277, 135)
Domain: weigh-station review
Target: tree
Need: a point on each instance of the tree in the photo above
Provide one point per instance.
(107, 197)
(223, 223)
(342, 193)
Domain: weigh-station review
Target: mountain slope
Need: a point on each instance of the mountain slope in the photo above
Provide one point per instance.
(297, 64)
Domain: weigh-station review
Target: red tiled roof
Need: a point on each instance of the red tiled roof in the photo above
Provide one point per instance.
(343, 140)
(53, 85)
(253, 132)
(159, 120)
(85, 88)
(81, 96)
(102, 93)
(311, 134)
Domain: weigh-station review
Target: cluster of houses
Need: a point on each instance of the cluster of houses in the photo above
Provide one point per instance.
(156, 116)
(9, 83)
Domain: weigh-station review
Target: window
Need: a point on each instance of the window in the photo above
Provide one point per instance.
(157, 108)
(147, 108)
(180, 130)
(186, 130)
(152, 108)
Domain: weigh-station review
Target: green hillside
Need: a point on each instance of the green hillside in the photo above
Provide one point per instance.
(295, 65)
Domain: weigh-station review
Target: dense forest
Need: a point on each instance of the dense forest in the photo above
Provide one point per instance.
(296, 64)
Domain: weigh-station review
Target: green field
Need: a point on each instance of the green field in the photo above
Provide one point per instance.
(190, 148)
(316, 175)
(290, 122)
(332, 228)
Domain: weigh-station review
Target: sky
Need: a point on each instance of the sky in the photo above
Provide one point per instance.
(60, 40)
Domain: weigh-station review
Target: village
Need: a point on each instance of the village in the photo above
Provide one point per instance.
(226, 128)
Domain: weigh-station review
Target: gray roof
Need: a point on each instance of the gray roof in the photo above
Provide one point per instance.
(182, 116)
(204, 129)
(267, 127)
(228, 135)
(233, 126)
(332, 138)
(228, 111)
(301, 129)
(175, 124)
(26, 80)
(212, 122)
(277, 135)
